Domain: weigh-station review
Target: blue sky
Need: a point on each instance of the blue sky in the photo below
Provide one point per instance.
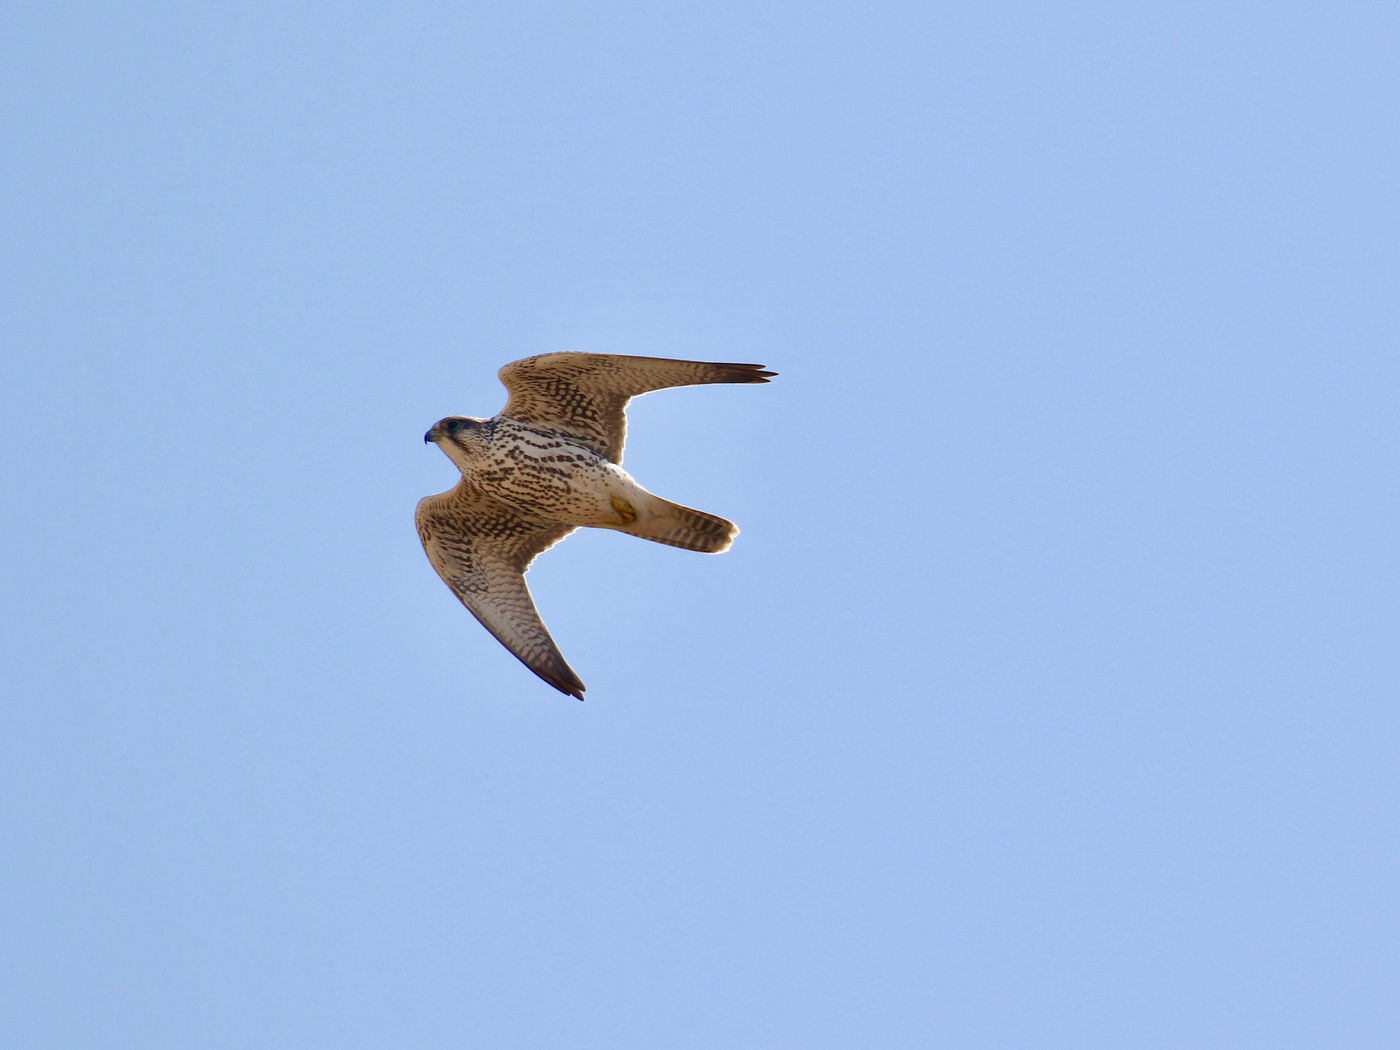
(1048, 698)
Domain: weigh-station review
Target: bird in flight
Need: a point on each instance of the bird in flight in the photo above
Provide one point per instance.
(549, 463)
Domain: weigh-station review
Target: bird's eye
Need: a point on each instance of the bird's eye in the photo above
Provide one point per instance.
(452, 425)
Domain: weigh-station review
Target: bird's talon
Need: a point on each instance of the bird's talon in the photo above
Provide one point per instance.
(624, 510)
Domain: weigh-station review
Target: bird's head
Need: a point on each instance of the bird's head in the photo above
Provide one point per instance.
(458, 436)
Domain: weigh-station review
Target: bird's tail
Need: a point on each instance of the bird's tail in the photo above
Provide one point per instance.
(665, 522)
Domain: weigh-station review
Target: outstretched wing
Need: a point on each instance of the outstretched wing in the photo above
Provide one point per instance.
(583, 395)
(481, 548)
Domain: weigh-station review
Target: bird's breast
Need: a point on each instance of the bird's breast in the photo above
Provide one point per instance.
(550, 477)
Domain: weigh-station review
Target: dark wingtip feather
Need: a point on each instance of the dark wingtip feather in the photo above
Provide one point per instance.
(572, 688)
(736, 373)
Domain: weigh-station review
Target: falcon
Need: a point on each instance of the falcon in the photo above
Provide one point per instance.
(548, 464)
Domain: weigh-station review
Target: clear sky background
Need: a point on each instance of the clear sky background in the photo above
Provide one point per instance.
(1048, 698)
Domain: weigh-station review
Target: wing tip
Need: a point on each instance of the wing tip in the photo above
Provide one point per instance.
(571, 686)
(740, 373)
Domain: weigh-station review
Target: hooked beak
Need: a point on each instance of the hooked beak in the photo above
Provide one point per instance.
(432, 435)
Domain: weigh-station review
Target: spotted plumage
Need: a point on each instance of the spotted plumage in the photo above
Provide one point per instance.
(548, 464)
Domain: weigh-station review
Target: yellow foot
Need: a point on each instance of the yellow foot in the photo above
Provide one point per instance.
(624, 510)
